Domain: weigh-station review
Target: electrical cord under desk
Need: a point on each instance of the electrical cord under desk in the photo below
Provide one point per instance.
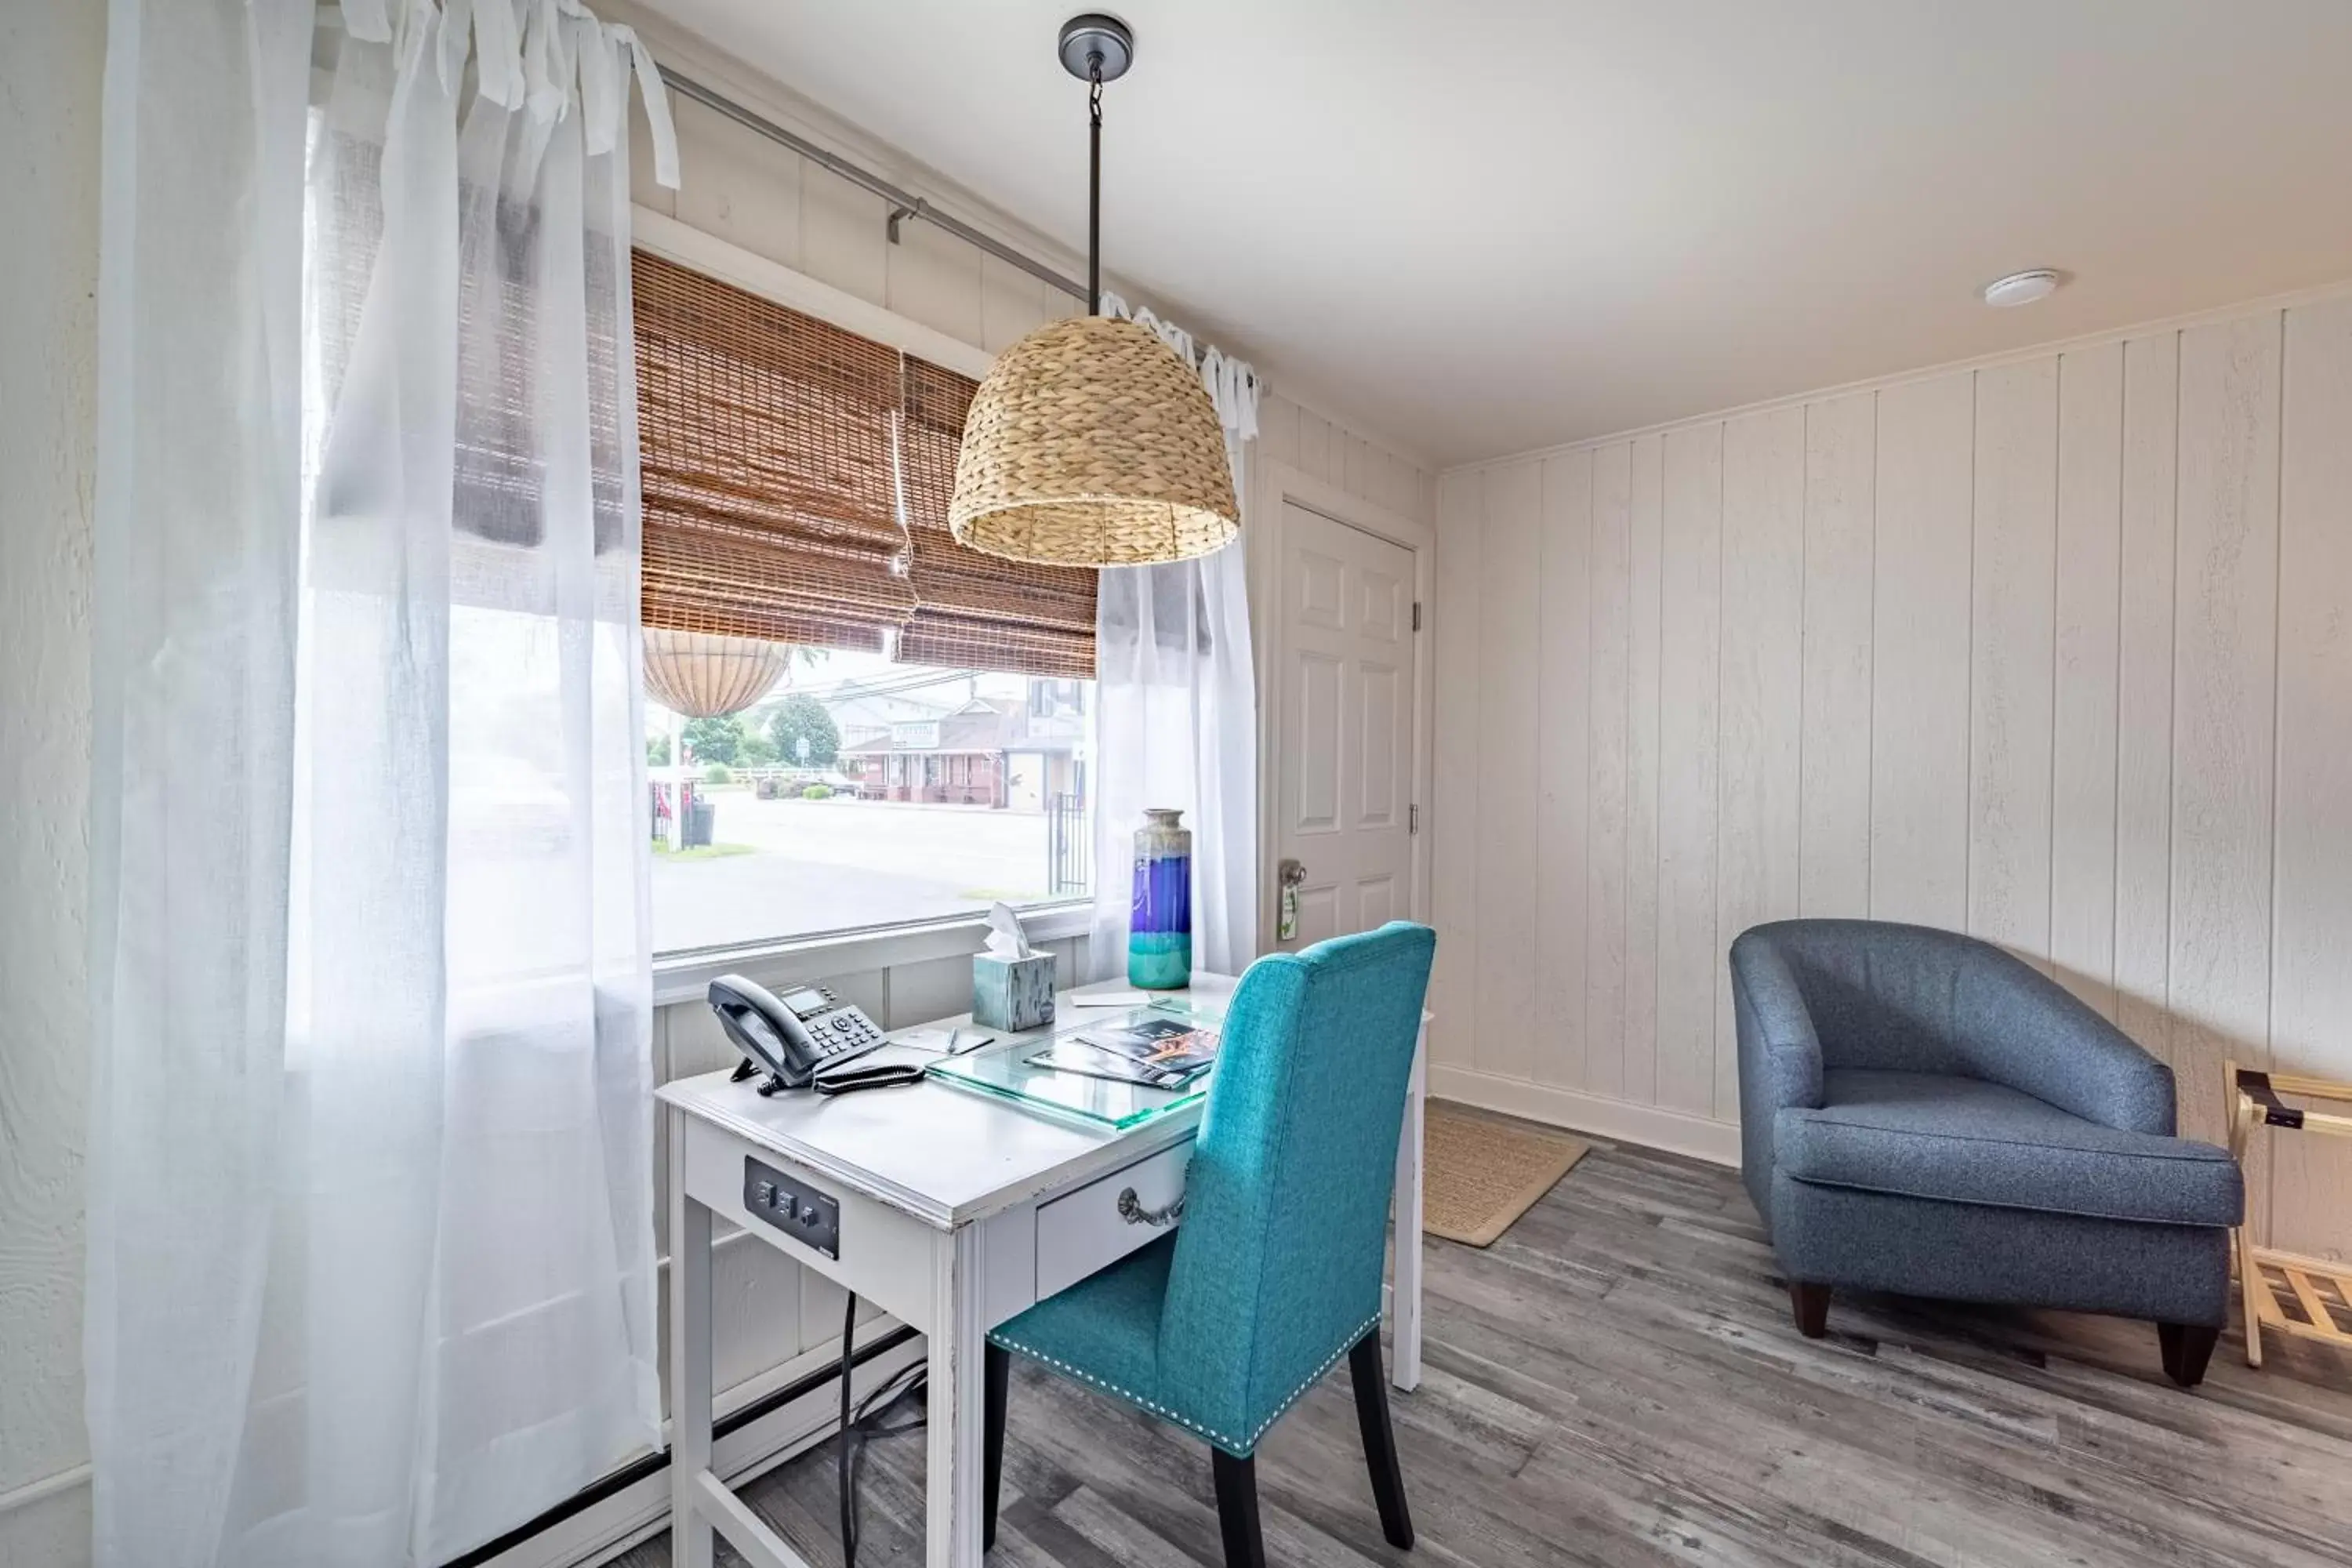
(910, 1383)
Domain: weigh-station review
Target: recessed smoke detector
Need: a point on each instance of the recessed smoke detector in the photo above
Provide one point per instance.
(2024, 288)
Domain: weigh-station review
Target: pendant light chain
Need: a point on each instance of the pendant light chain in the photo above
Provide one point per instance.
(1094, 184)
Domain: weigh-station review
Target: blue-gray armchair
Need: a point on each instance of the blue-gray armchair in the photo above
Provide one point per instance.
(1922, 1112)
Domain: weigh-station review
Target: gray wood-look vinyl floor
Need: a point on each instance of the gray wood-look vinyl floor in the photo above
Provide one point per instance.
(1617, 1381)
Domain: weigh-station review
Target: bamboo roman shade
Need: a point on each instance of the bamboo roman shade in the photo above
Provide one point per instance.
(796, 479)
(766, 449)
(974, 608)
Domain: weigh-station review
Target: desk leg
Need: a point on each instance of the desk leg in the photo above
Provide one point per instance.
(690, 1369)
(957, 1361)
(1405, 1290)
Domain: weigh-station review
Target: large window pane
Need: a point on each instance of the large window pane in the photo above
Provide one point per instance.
(862, 791)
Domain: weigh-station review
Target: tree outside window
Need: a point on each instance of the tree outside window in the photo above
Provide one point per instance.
(802, 720)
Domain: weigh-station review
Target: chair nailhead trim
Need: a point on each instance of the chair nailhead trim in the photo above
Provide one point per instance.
(1231, 1444)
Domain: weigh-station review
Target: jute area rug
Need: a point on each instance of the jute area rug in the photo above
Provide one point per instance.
(1479, 1175)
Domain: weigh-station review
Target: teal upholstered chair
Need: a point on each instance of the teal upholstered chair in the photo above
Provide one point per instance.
(1274, 1273)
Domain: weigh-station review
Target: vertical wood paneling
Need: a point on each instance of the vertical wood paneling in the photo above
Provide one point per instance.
(842, 236)
(2144, 692)
(1611, 739)
(932, 279)
(2224, 692)
(1690, 679)
(1563, 732)
(1012, 305)
(2311, 1005)
(1761, 716)
(1277, 429)
(1920, 697)
(735, 183)
(1508, 578)
(1357, 474)
(1642, 727)
(2012, 620)
(1840, 562)
(2083, 755)
(1314, 443)
(1453, 804)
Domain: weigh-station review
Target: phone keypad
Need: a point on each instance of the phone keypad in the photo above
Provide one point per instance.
(843, 1029)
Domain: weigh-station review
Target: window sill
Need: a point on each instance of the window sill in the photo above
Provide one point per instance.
(686, 976)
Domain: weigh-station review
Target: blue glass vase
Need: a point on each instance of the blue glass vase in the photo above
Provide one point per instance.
(1160, 925)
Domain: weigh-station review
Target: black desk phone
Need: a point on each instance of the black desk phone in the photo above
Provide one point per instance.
(802, 1040)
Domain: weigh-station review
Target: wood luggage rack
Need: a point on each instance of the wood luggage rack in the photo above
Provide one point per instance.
(2277, 1286)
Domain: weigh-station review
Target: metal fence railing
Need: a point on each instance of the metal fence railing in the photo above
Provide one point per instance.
(1069, 849)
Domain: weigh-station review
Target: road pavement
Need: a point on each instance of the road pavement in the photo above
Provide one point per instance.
(827, 865)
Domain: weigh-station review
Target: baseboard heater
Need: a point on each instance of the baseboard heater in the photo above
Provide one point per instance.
(633, 1502)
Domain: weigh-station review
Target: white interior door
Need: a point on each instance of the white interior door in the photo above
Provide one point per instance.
(1344, 728)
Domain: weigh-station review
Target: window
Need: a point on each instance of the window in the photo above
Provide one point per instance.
(924, 753)
(867, 791)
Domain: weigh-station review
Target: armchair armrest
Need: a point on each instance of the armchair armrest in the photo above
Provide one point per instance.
(2024, 1030)
(1780, 1053)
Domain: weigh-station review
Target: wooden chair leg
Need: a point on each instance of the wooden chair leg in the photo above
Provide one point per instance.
(2187, 1348)
(1237, 1510)
(996, 1372)
(1364, 1370)
(1811, 1303)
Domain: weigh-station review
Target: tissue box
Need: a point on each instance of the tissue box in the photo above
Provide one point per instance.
(1013, 993)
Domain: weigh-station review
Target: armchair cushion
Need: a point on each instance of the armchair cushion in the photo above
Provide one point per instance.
(1873, 994)
(1964, 1140)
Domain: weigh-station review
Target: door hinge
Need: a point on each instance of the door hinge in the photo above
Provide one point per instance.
(1412, 819)
(1416, 614)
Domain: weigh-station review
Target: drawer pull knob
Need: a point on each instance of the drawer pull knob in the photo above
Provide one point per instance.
(1132, 1209)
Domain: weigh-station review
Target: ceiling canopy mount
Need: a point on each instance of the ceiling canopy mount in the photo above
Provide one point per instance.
(1096, 46)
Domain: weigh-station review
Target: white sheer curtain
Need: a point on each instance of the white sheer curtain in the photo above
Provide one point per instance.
(1175, 719)
(439, 1318)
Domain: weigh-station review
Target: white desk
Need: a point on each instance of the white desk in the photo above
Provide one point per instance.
(957, 1213)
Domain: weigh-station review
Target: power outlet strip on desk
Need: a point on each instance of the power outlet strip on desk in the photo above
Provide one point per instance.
(795, 1207)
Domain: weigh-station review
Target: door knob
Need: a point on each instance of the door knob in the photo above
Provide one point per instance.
(1292, 876)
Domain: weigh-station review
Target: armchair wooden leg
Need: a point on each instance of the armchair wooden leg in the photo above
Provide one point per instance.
(2187, 1348)
(1811, 1303)
(1379, 1438)
(1237, 1510)
(996, 1377)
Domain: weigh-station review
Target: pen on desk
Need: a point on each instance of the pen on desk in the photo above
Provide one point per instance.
(952, 1035)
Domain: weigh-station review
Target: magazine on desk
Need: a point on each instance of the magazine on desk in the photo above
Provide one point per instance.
(1156, 1052)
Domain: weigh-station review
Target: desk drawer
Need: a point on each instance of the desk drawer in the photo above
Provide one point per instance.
(1081, 1232)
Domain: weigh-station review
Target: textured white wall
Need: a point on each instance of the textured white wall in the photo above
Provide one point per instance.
(50, 57)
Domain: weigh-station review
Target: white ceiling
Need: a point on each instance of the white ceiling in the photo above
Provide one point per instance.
(1482, 226)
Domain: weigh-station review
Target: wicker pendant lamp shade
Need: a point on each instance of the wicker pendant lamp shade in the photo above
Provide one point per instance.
(1092, 443)
(702, 675)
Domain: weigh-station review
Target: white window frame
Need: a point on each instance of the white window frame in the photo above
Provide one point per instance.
(684, 974)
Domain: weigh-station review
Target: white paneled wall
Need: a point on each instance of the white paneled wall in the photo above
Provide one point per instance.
(2056, 650)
